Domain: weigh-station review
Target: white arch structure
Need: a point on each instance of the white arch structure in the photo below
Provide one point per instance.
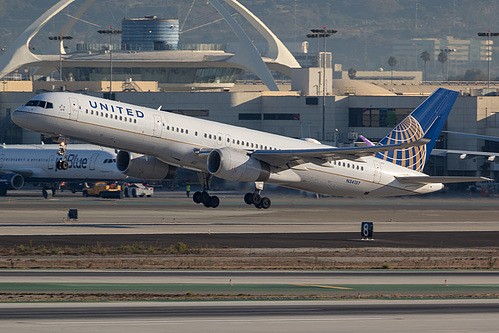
(248, 57)
(18, 53)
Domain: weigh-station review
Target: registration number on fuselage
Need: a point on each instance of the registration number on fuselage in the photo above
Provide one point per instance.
(353, 181)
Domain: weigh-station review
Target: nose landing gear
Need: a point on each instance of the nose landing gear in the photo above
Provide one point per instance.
(62, 164)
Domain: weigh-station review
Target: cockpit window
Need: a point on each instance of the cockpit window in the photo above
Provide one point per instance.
(42, 104)
(32, 103)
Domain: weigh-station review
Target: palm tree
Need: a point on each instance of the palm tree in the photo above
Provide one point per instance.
(351, 73)
(426, 57)
(442, 57)
(392, 62)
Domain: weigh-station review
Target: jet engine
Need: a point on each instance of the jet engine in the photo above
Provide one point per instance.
(143, 167)
(11, 181)
(236, 165)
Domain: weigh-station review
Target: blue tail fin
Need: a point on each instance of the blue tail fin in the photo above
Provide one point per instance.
(426, 121)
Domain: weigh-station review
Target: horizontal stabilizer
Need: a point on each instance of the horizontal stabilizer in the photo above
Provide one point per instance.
(438, 179)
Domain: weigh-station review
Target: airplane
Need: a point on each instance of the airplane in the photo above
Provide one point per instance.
(40, 164)
(169, 141)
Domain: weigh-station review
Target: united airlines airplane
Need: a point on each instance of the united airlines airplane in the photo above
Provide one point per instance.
(41, 164)
(167, 141)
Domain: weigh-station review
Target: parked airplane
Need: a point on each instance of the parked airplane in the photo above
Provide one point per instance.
(391, 168)
(40, 164)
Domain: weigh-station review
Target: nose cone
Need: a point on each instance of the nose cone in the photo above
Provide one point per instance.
(20, 117)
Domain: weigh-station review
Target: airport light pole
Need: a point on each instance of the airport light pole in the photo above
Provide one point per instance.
(488, 34)
(110, 32)
(323, 33)
(61, 40)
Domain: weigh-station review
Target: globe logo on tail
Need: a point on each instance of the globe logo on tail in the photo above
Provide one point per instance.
(409, 130)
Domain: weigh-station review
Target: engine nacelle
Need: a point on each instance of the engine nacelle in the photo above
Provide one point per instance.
(11, 181)
(142, 167)
(236, 165)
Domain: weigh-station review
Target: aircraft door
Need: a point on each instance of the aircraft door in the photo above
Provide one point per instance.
(51, 162)
(91, 165)
(377, 172)
(73, 108)
(158, 126)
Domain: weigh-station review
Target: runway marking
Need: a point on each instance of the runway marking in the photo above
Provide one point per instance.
(322, 286)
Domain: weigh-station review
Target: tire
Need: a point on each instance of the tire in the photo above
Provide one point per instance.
(85, 193)
(126, 193)
(64, 165)
(205, 197)
(265, 203)
(256, 199)
(197, 197)
(134, 193)
(214, 201)
(247, 198)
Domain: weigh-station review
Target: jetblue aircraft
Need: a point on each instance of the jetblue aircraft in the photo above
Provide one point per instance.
(393, 167)
(40, 164)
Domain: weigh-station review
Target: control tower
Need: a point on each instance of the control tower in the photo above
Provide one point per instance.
(149, 34)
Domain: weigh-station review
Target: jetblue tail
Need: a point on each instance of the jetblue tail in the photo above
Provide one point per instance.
(426, 121)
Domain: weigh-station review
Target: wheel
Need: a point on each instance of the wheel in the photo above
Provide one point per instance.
(53, 191)
(256, 199)
(85, 193)
(64, 165)
(247, 198)
(214, 201)
(58, 165)
(205, 197)
(134, 193)
(265, 203)
(126, 193)
(197, 197)
(3, 192)
(207, 203)
(45, 193)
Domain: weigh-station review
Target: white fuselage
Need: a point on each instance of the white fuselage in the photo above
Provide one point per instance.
(37, 163)
(176, 139)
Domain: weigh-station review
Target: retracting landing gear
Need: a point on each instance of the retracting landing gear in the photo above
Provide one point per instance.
(256, 199)
(203, 197)
(62, 164)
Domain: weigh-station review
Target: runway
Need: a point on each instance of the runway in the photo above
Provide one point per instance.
(292, 221)
(289, 316)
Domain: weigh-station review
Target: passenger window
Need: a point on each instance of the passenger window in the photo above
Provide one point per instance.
(121, 118)
(182, 130)
(106, 115)
(209, 136)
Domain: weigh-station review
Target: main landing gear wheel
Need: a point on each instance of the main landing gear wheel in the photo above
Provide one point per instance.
(207, 200)
(257, 200)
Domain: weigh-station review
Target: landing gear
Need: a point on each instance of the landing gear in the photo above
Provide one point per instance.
(209, 201)
(62, 164)
(256, 199)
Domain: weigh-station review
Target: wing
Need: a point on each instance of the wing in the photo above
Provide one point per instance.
(292, 157)
(438, 179)
(465, 153)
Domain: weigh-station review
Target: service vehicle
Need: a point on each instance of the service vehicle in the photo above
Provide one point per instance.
(138, 190)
